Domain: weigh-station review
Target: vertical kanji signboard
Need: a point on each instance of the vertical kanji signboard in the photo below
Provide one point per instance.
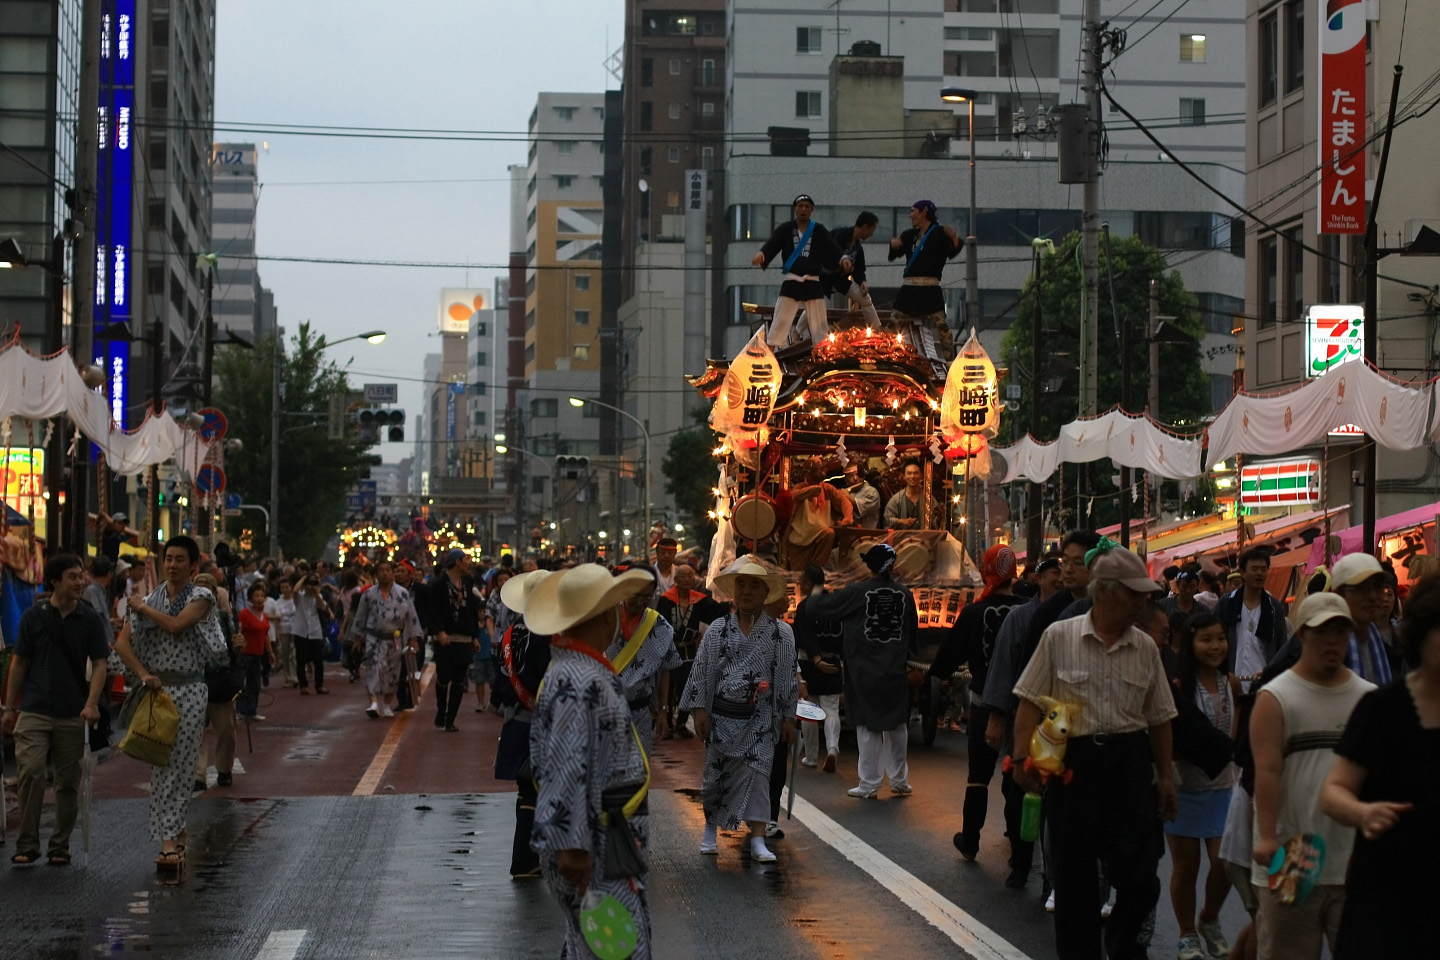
(1341, 97)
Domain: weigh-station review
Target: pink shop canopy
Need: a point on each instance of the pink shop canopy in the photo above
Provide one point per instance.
(1161, 558)
(1353, 539)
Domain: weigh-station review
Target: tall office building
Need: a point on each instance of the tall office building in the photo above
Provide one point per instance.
(39, 90)
(240, 303)
(1182, 71)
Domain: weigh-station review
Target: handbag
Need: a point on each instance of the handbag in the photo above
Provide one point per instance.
(153, 727)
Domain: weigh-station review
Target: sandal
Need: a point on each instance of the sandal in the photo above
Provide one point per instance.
(170, 859)
(24, 859)
(59, 860)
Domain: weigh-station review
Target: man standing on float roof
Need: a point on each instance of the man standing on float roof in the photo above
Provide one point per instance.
(925, 246)
(807, 249)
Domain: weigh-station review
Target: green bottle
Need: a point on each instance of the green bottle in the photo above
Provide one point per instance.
(1030, 817)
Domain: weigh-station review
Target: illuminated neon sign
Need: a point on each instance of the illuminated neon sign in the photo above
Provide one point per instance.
(115, 196)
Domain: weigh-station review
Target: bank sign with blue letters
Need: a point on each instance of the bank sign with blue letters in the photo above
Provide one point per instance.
(115, 198)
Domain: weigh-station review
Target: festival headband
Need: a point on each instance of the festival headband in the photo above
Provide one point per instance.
(997, 568)
(882, 554)
(926, 205)
(804, 196)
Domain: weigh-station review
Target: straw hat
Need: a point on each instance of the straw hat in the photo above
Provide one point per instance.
(571, 597)
(773, 581)
(516, 590)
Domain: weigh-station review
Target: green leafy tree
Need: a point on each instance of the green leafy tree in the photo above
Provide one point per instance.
(1184, 390)
(690, 476)
(315, 471)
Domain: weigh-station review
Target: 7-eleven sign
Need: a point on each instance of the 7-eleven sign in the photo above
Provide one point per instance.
(1280, 483)
(1334, 333)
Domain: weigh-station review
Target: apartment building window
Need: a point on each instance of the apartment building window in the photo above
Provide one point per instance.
(646, 160)
(1266, 251)
(674, 154)
(530, 353)
(1192, 112)
(530, 320)
(672, 199)
(707, 158)
(1269, 59)
(479, 388)
(647, 115)
(1294, 45)
(1192, 48)
(647, 72)
(707, 109)
(544, 406)
(563, 181)
(590, 412)
(582, 282)
(565, 146)
(582, 351)
(582, 318)
(673, 111)
(808, 39)
(675, 65)
(1294, 275)
(482, 359)
(479, 418)
(565, 113)
(707, 72)
(807, 104)
(682, 26)
(481, 328)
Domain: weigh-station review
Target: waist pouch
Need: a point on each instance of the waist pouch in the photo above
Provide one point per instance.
(623, 856)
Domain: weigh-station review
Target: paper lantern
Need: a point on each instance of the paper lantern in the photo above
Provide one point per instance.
(747, 396)
(970, 403)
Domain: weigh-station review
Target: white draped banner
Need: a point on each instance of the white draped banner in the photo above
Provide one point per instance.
(1129, 441)
(35, 388)
(1394, 414)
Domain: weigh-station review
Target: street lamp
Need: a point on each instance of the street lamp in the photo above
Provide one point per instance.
(645, 451)
(972, 279)
(372, 336)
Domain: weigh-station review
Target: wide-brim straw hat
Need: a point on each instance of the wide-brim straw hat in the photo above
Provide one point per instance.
(569, 598)
(515, 592)
(773, 581)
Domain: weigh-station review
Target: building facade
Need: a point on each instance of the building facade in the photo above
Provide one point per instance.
(39, 91)
(1293, 266)
(239, 302)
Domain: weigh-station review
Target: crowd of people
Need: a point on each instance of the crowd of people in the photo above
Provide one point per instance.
(1280, 750)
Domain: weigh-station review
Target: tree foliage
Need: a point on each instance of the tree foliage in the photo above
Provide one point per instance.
(1184, 390)
(690, 476)
(315, 471)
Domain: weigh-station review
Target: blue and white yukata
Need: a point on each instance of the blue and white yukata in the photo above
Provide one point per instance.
(747, 687)
(185, 654)
(641, 676)
(581, 742)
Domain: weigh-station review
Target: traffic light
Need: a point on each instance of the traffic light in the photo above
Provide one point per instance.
(570, 468)
(377, 423)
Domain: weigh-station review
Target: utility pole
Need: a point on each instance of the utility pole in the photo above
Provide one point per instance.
(82, 311)
(1090, 222)
(1152, 327)
(1034, 528)
(157, 388)
(1127, 476)
(275, 394)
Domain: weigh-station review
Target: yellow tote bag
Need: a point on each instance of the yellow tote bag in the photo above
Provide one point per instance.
(151, 736)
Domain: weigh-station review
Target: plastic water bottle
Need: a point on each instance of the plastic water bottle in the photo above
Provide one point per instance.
(1030, 817)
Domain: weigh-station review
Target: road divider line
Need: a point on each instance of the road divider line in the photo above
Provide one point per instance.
(972, 936)
(370, 782)
(282, 945)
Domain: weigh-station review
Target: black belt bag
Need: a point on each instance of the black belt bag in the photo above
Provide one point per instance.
(639, 703)
(623, 857)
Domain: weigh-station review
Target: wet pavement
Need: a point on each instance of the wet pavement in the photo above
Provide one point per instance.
(351, 838)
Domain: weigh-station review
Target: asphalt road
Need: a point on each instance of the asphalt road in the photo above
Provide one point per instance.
(349, 838)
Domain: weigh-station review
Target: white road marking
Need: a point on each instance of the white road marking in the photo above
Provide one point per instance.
(282, 945)
(972, 936)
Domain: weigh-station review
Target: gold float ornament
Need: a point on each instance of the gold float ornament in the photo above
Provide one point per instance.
(864, 344)
(367, 537)
(747, 397)
(970, 404)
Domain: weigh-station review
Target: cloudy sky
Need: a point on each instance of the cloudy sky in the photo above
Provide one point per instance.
(431, 64)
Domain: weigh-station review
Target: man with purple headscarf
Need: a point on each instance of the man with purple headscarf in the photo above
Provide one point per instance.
(925, 246)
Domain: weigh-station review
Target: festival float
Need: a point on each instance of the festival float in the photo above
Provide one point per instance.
(883, 397)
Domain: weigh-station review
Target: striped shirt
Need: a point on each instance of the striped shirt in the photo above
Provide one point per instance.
(1120, 688)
